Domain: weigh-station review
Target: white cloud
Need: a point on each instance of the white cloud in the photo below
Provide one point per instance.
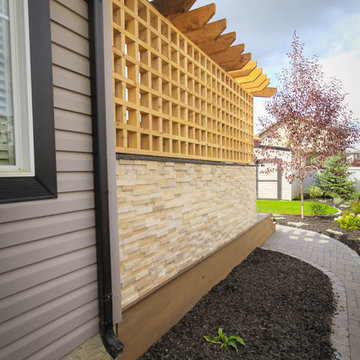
(346, 67)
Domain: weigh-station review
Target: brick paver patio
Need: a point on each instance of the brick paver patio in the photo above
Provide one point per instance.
(342, 265)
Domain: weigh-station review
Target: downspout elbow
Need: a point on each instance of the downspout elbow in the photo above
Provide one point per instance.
(112, 344)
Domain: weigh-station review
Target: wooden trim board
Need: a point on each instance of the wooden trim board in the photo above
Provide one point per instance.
(147, 320)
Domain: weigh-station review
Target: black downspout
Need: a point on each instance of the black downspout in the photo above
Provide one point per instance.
(112, 344)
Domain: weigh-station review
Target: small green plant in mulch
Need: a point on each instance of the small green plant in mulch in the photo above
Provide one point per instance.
(318, 208)
(224, 341)
(349, 220)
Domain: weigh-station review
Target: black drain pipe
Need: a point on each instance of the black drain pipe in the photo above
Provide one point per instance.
(112, 344)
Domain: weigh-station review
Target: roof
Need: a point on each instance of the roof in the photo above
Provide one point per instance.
(210, 38)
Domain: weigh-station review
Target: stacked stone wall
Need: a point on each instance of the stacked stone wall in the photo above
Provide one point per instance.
(172, 214)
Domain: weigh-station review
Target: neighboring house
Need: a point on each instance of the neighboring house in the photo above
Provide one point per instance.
(353, 156)
(126, 163)
(271, 182)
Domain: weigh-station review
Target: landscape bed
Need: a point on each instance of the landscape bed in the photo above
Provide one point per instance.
(281, 307)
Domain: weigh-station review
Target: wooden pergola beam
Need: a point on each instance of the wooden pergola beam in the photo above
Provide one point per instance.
(255, 83)
(193, 20)
(208, 33)
(260, 87)
(221, 43)
(249, 78)
(207, 36)
(267, 92)
(171, 7)
(244, 71)
(240, 62)
(230, 54)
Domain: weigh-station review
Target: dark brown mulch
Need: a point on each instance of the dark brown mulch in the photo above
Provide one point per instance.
(280, 306)
(321, 224)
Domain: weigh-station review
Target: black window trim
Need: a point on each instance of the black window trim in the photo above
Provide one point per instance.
(43, 184)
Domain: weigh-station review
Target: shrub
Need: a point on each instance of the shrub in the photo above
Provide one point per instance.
(337, 200)
(318, 208)
(349, 221)
(314, 192)
(334, 177)
(355, 195)
(355, 207)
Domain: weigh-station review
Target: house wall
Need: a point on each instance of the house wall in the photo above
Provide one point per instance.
(172, 214)
(355, 176)
(287, 190)
(267, 182)
(48, 275)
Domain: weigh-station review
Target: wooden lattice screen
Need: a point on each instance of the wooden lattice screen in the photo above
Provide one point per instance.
(170, 98)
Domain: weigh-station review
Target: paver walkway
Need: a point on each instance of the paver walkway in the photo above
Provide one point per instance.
(342, 265)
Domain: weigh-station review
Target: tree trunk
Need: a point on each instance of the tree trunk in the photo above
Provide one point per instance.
(302, 198)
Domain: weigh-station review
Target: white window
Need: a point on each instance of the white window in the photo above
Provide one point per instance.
(16, 123)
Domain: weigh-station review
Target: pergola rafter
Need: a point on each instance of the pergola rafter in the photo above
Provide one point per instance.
(238, 63)
(249, 78)
(209, 37)
(171, 7)
(221, 43)
(230, 54)
(193, 20)
(208, 33)
(245, 70)
(257, 82)
(260, 87)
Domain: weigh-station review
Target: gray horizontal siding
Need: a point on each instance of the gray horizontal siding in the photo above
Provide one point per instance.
(49, 333)
(70, 80)
(56, 349)
(48, 299)
(22, 232)
(14, 257)
(70, 40)
(40, 316)
(70, 121)
(65, 203)
(69, 60)
(73, 162)
(10, 306)
(68, 100)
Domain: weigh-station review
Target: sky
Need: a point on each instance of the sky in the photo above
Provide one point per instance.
(330, 30)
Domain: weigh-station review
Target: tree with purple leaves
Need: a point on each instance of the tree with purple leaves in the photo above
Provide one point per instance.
(308, 116)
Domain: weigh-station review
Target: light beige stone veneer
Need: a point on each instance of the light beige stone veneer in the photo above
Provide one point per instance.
(172, 214)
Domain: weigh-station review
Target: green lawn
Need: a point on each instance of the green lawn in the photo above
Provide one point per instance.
(289, 207)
